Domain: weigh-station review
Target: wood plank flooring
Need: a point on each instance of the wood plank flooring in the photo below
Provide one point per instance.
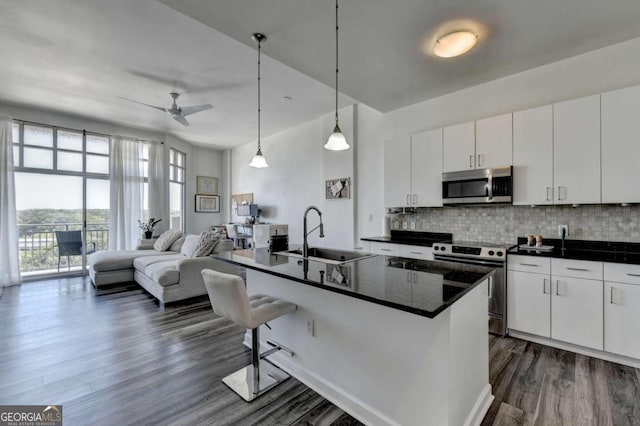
(112, 356)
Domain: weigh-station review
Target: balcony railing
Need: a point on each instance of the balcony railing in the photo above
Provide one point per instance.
(39, 249)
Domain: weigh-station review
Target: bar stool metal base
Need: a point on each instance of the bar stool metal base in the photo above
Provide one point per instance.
(244, 384)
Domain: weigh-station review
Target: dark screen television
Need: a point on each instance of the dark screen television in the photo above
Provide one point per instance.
(248, 210)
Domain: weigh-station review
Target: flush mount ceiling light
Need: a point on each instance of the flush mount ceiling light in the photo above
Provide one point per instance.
(258, 160)
(455, 44)
(337, 141)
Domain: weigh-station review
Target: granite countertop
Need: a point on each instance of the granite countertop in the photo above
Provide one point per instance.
(420, 287)
(415, 238)
(598, 251)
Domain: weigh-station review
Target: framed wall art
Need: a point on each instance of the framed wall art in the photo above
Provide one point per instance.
(206, 185)
(337, 189)
(207, 204)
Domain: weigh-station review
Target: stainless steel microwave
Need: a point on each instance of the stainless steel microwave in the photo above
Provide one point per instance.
(481, 186)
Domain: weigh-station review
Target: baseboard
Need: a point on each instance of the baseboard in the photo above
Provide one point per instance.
(481, 407)
(346, 401)
(607, 356)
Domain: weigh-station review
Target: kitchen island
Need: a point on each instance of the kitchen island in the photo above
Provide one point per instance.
(390, 340)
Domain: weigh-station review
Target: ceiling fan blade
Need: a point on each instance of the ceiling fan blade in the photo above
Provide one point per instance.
(196, 108)
(141, 103)
(180, 119)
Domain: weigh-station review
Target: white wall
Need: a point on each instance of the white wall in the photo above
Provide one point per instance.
(295, 178)
(200, 160)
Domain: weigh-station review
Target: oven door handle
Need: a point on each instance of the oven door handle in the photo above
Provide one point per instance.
(494, 264)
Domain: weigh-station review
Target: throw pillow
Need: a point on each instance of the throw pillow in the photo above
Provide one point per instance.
(205, 244)
(166, 239)
(177, 244)
(189, 245)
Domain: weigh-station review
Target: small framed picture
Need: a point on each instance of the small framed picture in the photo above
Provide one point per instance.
(206, 185)
(207, 204)
(337, 189)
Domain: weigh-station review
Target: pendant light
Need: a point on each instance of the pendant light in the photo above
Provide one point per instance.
(258, 160)
(337, 141)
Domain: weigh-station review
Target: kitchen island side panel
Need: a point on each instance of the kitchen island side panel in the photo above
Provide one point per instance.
(382, 365)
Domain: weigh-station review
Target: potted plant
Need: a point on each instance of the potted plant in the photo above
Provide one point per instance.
(148, 227)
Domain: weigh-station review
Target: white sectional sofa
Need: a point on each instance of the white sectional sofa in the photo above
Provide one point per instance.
(168, 275)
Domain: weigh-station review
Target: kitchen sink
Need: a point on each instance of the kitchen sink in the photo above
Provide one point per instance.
(334, 256)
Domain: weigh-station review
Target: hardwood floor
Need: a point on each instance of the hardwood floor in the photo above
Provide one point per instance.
(113, 357)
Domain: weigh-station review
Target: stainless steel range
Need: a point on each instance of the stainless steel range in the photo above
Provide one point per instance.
(485, 254)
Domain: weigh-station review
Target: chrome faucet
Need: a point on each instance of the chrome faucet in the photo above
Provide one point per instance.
(305, 246)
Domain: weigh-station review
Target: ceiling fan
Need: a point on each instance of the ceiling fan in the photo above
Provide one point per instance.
(176, 112)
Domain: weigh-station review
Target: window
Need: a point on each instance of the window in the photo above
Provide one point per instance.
(177, 173)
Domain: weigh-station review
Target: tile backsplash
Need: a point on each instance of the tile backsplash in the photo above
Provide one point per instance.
(503, 224)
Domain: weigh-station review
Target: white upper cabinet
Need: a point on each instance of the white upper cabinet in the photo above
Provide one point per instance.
(576, 151)
(397, 172)
(413, 170)
(494, 141)
(426, 169)
(533, 156)
(459, 147)
(621, 146)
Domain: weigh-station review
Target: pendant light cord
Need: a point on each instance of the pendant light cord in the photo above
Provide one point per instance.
(337, 63)
(259, 50)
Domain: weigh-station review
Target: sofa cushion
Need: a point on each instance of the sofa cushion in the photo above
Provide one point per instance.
(206, 242)
(102, 261)
(164, 273)
(189, 245)
(177, 244)
(166, 239)
(141, 263)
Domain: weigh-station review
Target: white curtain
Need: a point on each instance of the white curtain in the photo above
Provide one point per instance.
(127, 188)
(158, 206)
(9, 263)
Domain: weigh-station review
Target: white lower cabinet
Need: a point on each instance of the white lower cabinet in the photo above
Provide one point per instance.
(622, 319)
(576, 311)
(529, 302)
(388, 249)
(561, 307)
(416, 252)
(622, 309)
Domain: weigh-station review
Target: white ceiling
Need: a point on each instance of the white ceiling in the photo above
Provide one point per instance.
(83, 57)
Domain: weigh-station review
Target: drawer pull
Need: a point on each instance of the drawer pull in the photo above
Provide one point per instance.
(578, 269)
(633, 275)
(384, 249)
(529, 264)
(416, 252)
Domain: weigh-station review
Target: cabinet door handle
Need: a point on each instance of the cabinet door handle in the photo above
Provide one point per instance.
(557, 288)
(479, 160)
(544, 286)
(408, 276)
(415, 199)
(611, 295)
(549, 198)
(577, 269)
(633, 275)
(415, 278)
(560, 197)
(529, 264)
(471, 161)
(408, 199)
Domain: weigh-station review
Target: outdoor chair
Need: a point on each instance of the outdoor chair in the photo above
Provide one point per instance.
(70, 244)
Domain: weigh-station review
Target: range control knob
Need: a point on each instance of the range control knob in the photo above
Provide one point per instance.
(499, 254)
(443, 248)
(491, 252)
(436, 248)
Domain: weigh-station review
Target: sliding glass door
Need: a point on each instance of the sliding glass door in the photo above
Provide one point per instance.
(62, 198)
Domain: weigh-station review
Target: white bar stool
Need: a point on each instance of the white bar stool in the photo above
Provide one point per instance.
(229, 299)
